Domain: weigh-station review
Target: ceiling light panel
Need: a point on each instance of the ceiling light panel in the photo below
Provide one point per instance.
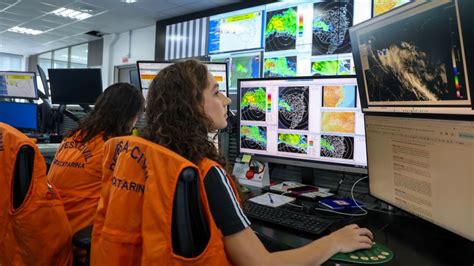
(25, 30)
(71, 13)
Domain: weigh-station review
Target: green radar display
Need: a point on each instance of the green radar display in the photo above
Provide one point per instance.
(253, 104)
(280, 31)
(244, 67)
(293, 107)
(340, 147)
(253, 137)
(294, 143)
(331, 23)
(284, 66)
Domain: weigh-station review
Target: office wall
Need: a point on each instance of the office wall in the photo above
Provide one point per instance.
(126, 48)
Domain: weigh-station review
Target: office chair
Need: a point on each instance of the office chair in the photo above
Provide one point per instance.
(189, 228)
(22, 175)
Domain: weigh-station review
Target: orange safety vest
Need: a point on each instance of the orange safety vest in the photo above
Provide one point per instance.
(76, 171)
(133, 224)
(37, 232)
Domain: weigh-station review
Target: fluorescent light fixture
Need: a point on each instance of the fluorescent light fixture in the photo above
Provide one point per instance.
(70, 13)
(25, 30)
(129, 1)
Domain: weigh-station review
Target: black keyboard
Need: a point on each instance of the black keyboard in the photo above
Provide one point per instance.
(287, 218)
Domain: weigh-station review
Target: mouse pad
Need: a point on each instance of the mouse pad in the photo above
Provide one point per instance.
(377, 254)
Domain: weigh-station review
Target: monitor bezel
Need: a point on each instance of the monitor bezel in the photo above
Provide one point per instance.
(69, 102)
(180, 60)
(332, 166)
(23, 97)
(130, 75)
(36, 115)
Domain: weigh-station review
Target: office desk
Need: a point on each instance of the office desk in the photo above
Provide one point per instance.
(413, 241)
(48, 150)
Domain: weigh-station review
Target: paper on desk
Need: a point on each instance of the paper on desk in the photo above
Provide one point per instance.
(278, 200)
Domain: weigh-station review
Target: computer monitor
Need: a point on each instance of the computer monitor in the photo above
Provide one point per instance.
(149, 69)
(75, 85)
(415, 59)
(19, 115)
(425, 167)
(237, 30)
(134, 78)
(314, 122)
(16, 84)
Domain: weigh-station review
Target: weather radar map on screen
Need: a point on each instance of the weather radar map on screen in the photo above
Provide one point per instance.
(280, 31)
(314, 119)
(293, 107)
(253, 137)
(253, 104)
(420, 63)
(284, 66)
(331, 23)
(239, 30)
(243, 67)
(332, 67)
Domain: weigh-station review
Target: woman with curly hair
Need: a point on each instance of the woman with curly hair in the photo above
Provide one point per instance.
(184, 105)
(76, 170)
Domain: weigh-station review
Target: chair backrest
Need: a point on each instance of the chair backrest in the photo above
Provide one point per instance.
(161, 191)
(189, 228)
(22, 174)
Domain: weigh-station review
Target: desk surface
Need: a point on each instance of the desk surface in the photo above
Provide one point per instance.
(48, 150)
(413, 241)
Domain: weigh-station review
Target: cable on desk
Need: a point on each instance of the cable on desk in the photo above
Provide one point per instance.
(364, 211)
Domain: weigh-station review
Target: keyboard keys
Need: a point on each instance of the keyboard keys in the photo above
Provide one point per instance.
(287, 218)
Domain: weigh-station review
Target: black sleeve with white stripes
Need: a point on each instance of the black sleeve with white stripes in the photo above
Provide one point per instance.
(225, 208)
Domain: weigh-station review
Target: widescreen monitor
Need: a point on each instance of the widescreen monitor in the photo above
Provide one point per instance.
(421, 66)
(15, 84)
(75, 85)
(19, 115)
(148, 70)
(305, 121)
(237, 30)
(425, 167)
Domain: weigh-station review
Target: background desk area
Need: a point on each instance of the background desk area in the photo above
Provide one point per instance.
(48, 150)
(413, 241)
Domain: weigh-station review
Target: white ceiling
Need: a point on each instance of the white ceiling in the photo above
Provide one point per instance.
(109, 16)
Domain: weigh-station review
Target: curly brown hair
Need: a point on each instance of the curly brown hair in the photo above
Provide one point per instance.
(113, 112)
(175, 114)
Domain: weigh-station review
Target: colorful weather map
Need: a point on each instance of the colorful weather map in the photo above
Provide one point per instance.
(340, 147)
(338, 122)
(293, 107)
(331, 23)
(253, 137)
(382, 6)
(280, 31)
(339, 96)
(284, 66)
(253, 104)
(244, 67)
(294, 143)
(332, 67)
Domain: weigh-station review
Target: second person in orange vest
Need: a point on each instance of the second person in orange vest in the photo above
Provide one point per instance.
(76, 170)
(184, 105)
